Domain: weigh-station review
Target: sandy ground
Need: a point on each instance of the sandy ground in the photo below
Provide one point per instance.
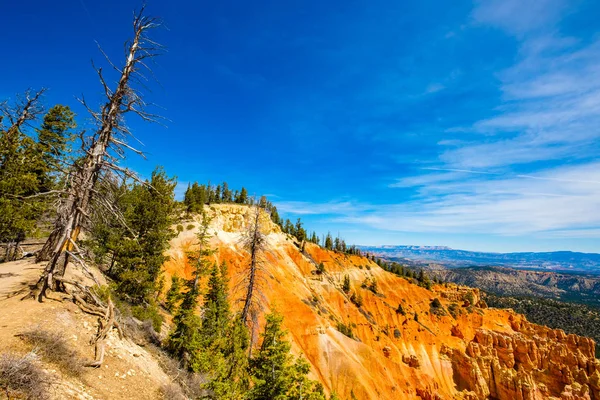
(129, 371)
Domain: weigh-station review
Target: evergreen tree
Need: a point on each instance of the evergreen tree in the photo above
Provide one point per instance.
(275, 216)
(199, 258)
(328, 241)
(216, 316)
(231, 379)
(289, 228)
(174, 294)
(55, 135)
(242, 198)
(275, 374)
(346, 286)
(262, 203)
(299, 231)
(28, 168)
(185, 341)
(218, 194)
(314, 239)
(226, 193)
(150, 217)
(336, 244)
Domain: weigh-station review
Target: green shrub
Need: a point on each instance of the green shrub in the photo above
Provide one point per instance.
(400, 310)
(190, 227)
(345, 329)
(150, 313)
(321, 268)
(356, 299)
(436, 308)
(454, 310)
(470, 298)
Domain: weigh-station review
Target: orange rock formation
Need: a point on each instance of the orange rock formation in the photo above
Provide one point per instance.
(475, 353)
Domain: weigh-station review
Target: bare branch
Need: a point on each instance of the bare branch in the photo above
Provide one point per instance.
(107, 58)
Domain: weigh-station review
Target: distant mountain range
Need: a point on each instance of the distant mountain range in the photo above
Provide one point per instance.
(560, 261)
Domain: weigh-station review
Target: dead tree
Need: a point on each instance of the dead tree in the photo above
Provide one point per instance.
(27, 109)
(254, 275)
(101, 153)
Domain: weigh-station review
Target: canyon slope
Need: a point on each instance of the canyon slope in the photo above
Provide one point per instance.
(518, 282)
(452, 348)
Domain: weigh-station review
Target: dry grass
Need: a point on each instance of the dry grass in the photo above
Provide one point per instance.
(172, 391)
(23, 377)
(187, 383)
(142, 333)
(54, 348)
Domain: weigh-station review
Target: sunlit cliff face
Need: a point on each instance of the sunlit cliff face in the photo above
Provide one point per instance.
(475, 353)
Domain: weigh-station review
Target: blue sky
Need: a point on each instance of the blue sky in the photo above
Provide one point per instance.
(469, 124)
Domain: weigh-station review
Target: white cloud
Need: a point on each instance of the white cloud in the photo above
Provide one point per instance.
(517, 16)
(306, 208)
(558, 202)
(550, 103)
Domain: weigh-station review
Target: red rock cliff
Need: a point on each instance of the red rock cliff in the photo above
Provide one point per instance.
(460, 350)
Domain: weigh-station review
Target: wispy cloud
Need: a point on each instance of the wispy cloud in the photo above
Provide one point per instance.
(550, 107)
(558, 202)
(329, 208)
(518, 17)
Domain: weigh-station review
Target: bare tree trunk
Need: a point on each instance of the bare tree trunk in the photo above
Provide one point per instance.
(112, 264)
(255, 244)
(46, 251)
(7, 253)
(86, 174)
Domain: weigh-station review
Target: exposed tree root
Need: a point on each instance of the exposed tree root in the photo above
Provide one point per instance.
(89, 303)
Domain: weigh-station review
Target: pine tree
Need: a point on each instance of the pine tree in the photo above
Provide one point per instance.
(275, 216)
(199, 258)
(226, 193)
(27, 172)
(288, 228)
(242, 198)
(328, 241)
(346, 286)
(185, 340)
(216, 316)
(275, 374)
(299, 231)
(150, 217)
(174, 294)
(54, 137)
(231, 379)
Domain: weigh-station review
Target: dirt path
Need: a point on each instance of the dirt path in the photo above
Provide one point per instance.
(17, 276)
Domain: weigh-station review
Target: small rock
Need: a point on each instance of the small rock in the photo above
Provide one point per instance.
(411, 360)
